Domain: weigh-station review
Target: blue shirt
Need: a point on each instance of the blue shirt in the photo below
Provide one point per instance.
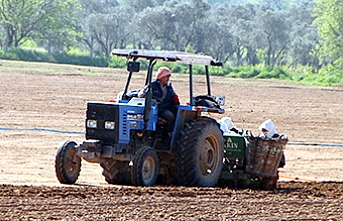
(164, 102)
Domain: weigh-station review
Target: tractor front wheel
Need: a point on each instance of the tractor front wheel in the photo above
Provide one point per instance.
(145, 167)
(67, 164)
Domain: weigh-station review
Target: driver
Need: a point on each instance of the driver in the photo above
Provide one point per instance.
(164, 93)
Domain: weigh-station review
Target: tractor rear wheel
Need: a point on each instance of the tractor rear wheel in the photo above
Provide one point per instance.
(145, 167)
(116, 172)
(67, 164)
(200, 153)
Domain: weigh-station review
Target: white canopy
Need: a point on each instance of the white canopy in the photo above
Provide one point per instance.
(167, 56)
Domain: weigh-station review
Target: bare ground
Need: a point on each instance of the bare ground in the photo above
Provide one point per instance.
(54, 97)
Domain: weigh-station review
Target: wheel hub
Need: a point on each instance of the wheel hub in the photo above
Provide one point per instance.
(148, 169)
(207, 157)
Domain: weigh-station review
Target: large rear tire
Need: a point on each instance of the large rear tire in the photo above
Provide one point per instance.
(67, 164)
(145, 167)
(200, 153)
(116, 172)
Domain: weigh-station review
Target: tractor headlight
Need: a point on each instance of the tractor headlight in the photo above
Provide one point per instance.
(109, 125)
(92, 123)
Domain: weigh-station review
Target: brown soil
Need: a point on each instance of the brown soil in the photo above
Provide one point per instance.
(291, 201)
(54, 97)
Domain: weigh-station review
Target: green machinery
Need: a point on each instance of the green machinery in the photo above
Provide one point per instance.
(251, 161)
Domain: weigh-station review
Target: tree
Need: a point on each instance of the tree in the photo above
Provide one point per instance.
(173, 25)
(17, 19)
(275, 29)
(109, 28)
(303, 36)
(24, 19)
(217, 40)
(58, 28)
(329, 18)
(140, 5)
(246, 32)
(90, 10)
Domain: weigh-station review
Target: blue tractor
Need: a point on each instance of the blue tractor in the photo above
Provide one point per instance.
(130, 142)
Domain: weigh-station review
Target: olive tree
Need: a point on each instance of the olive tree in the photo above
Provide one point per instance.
(274, 29)
(246, 32)
(303, 36)
(106, 25)
(217, 39)
(173, 25)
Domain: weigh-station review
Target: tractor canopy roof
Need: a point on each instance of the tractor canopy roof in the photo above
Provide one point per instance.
(167, 56)
(172, 56)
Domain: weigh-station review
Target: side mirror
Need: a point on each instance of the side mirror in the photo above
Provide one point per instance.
(133, 66)
(213, 63)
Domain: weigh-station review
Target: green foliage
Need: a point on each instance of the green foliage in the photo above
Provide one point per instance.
(217, 71)
(66, 58)
(189, 49)
(117, 62)
(28, 43)
(197, 69)
(275, 73)
(77, 51)
(53, 21)
(244, 72)
(57, 57)
(9, 55)
(174, 67)
(328, 76)
(31, 55)
(23, 54)
(329, 18)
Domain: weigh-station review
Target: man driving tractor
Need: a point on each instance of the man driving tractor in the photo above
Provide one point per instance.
(164, 94)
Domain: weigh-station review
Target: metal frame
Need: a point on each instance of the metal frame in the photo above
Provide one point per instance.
(169, 56)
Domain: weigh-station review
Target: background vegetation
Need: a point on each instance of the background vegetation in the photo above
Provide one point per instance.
(284, 39)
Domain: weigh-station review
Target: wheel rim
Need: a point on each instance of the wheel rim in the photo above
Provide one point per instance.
(71, 164)
(208, 156)
(148, 169)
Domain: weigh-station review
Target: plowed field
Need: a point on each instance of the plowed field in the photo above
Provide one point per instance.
(41, 105)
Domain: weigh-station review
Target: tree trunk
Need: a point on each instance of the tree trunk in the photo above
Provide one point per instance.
(9, 38)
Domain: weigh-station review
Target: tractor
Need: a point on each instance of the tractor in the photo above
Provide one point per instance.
(130, 142)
